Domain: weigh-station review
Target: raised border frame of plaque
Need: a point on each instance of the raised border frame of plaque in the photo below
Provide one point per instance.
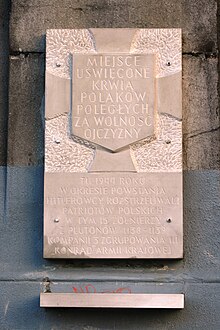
(113, 144)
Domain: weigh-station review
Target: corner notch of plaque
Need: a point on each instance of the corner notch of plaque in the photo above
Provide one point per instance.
(113, 98)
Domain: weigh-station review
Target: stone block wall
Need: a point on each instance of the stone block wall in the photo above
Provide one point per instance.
(24, 272)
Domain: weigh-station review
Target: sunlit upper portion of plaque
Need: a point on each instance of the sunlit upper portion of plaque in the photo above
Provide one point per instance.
(113, 144)
(113, 98)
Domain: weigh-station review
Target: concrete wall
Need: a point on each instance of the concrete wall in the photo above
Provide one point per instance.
(23, 270)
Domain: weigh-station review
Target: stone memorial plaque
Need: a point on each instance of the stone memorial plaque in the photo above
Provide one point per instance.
(113, 98)
(113, 144)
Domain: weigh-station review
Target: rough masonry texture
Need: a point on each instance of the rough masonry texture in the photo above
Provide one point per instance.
(24, 272)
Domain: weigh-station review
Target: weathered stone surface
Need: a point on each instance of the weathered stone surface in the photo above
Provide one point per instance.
(200, 113)
(200, 94)
(30, 19)
(26, 101)
(202, 151)
(4, 67)
(4, 51)
(2, 192)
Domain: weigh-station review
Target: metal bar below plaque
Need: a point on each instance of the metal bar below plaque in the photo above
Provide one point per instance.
(112, 300)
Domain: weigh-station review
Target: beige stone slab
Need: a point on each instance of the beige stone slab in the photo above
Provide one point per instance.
(112, 300)
(113, 98)
(120, 43)
(105, 161)
(169, 89)
(113, 215)
(57, 95)
(113, 144)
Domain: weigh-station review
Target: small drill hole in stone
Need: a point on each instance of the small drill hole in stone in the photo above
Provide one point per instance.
(169, 220)
(56, 220)
(168, 63)
(168, 142)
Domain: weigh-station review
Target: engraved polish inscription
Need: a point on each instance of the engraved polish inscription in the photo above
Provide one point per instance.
(113, 144)
(113, 98)
(113, 216)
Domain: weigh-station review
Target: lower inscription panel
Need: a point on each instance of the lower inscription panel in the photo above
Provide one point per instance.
(113, 215)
